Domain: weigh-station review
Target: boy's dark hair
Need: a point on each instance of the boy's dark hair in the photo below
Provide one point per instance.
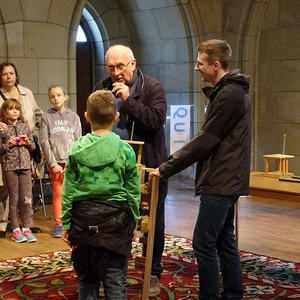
(216, 50)
(8, 104)
(101, 107)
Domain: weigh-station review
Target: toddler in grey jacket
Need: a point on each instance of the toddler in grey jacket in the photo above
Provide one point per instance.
(16, 143)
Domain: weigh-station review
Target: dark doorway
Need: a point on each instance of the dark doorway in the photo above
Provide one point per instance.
(84, 79)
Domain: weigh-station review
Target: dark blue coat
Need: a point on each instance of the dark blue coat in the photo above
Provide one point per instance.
(147, 108)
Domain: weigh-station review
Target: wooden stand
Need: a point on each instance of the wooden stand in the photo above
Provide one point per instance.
(236, 222)
(146, 224)
(282, 162)
(146, 227)
(140, 148)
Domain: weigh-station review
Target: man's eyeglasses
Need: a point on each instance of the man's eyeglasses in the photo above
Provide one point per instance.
(120, 67)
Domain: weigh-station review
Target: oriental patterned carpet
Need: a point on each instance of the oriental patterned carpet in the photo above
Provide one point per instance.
(50, 276)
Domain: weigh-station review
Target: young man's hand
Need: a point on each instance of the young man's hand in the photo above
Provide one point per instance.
(155, 173)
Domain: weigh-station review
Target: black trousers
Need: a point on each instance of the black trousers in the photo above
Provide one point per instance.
(159, 238)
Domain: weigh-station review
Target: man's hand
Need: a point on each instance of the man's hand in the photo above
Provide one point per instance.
(121, 90)
(155, 173)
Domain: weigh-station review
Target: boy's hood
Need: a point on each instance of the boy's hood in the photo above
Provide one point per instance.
(96, 151)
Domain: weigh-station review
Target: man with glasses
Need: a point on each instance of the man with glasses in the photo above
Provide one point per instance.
(142, 106)
(222, 151)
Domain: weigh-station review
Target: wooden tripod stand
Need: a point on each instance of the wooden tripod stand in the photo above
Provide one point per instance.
(146, 224)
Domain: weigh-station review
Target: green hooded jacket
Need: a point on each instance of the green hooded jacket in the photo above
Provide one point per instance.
(100, 167)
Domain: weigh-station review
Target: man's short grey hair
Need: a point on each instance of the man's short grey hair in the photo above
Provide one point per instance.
(130, 52)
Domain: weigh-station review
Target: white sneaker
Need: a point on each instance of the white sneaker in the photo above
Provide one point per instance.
(154, 288)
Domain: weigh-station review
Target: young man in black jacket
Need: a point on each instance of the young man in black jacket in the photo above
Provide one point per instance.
(222, 151)
(142, 106)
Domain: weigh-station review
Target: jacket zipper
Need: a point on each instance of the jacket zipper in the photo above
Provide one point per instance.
(19, 153)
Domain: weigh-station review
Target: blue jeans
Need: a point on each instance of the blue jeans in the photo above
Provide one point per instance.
(114, 286)
(215, 247)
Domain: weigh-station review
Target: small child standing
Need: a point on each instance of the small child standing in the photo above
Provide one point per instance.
(100, 202)
(16, 143)
(60, 128)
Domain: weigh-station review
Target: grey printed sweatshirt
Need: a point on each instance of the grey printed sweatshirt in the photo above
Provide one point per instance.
(58, 132)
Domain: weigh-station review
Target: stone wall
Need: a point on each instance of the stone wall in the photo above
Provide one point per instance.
(39, 38)
(278, 78)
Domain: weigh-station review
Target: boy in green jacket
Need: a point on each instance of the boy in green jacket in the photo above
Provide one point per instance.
(100, 202)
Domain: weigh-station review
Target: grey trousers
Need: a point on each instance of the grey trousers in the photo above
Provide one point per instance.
(19, 186)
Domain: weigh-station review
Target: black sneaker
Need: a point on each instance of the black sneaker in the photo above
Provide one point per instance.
(9, 228)
(35, 230)
(3, 234)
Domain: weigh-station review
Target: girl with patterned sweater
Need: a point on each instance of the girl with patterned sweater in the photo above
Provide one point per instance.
(16, 143)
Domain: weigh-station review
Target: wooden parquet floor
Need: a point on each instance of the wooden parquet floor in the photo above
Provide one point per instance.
(266, 226)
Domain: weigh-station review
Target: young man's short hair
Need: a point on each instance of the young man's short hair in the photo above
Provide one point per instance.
(216, 50)
(101, 107)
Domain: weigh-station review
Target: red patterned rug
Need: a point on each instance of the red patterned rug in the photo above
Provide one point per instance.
(50, 276)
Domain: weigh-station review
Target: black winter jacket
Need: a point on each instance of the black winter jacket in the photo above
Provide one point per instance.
(102, 224)
(101, 235)
(222, 147)
(147, 108)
